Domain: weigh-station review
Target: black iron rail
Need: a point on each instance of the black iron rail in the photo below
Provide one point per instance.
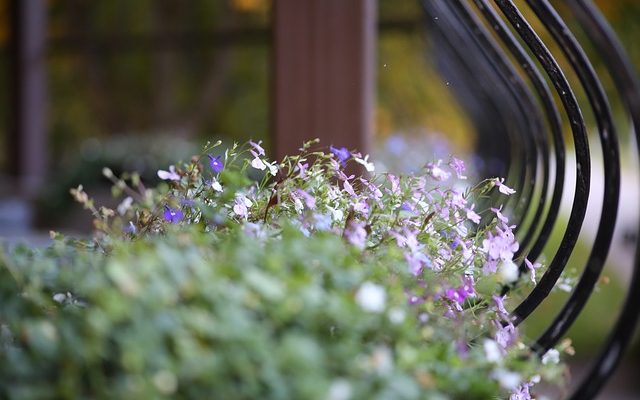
(470, 44)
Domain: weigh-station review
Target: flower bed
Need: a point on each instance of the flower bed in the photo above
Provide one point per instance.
(303, 284)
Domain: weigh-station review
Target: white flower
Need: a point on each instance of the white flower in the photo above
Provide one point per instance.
(125, 205)
(492, 350)
(552, 356)
(396, 316)
(215, 185)
(59, 297)
(340, 389)
(371, 297)
(170, 175)
(337, 214)
(273, 168)
(364, 161)
(241, 206)
(382, 360)
(257, 163)
(508, 271)
(507, 379)
(436, 172)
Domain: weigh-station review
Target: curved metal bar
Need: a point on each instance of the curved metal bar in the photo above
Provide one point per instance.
(488, 72)
(583, 163)
(555, 124)
(627, 83)
(524, 100)
(479, 75)
(611, 160)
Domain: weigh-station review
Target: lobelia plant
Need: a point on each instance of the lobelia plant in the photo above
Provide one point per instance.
(302, 283)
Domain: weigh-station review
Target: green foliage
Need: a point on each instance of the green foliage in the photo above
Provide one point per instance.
(216, 285)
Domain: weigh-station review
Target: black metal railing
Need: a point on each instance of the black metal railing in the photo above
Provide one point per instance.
(503, 74)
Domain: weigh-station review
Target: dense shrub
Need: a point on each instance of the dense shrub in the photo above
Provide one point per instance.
(304, 284)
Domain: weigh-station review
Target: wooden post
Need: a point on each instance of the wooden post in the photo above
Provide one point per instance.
(323, 77)
(27, 132)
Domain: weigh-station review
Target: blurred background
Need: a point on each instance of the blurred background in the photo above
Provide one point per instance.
(138, 85)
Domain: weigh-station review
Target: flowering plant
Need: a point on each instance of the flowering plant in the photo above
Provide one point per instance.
(306, 282)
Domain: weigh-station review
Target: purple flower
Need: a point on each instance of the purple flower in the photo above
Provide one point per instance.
(500, 305)
(504, 189)
(349, 189)
(171, 175)
(532, 269)
(458, 166)
(502, 246)
(241, 206)
(302, 169)
(472, 215)
(130, 228)
(257, 147)
(173, 215)
(309, 200)
(500, 216)
(341, 153)
(506, 335)
(407, 207)
(215, 163)
(458, 295)
(436, 172)
(417, 262)
(522, 392)
(466, 289)
(356, 234)
(395, 183)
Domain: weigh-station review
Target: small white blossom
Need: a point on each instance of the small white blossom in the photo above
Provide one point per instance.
(273, 168)
(371, 297)
(492, 350)
(215, 185)
(125, 205)
(257, 163)
(365, 162)
(552, 356)
(508, 271)
(340, 389)
(59, 297)
(382, 360)
(507, 379)
(436, 172)
(396, 316)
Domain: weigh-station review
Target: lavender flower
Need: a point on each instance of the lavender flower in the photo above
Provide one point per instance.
(532, 269)
(215, 163)
(173, 215)
(458, 166)
(504, 189)
(522, 392)
(506, 335)
(257, 163)
(309, 200)
(257, 147)
(436, 172)
(170, 175)
(241, 206)
(341, 153)
(356, 234)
